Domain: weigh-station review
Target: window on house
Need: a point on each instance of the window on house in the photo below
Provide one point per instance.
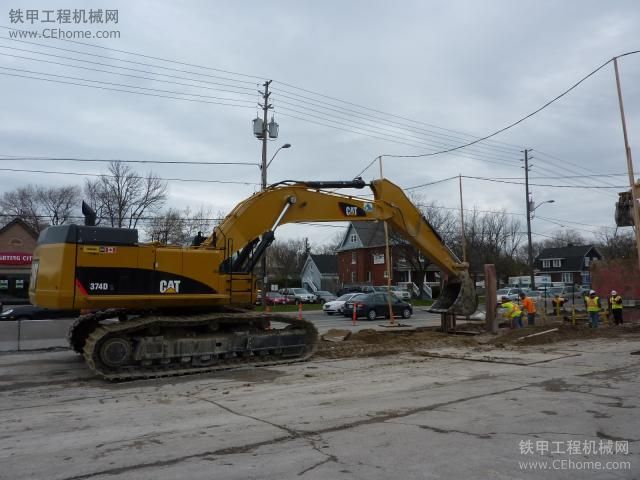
(546, 263)
(369, 277)
(353, 238)
(587, 261)
(353, 258)
(557, 263)
(386, 274)
(378, 258)
(353, 277)
(567, 277)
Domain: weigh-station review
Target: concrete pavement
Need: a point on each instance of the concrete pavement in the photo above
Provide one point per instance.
(406, 416)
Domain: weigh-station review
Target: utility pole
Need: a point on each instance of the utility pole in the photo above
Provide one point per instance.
(462, 236)
(529, 202)
(632, 182)
(265, 110)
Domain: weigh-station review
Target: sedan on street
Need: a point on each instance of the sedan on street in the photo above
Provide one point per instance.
(336, 306)
(376, 305)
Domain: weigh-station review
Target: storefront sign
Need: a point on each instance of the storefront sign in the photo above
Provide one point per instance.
(15, 258)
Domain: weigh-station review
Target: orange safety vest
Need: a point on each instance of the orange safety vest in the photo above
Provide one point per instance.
(592, 304)
(529, 305)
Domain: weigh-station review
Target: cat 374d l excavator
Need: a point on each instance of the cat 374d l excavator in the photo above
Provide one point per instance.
(160, 310)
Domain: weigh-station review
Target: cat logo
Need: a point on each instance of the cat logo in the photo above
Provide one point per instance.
(170, 286)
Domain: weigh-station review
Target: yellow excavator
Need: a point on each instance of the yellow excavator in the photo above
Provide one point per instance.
(160, 310)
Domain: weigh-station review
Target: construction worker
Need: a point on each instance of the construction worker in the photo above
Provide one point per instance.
(557, 302)
(512, 312)
(529, 306)
(615, 306)
(593, 308)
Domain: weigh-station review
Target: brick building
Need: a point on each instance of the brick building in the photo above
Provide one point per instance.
(361, 257)
(17, 243)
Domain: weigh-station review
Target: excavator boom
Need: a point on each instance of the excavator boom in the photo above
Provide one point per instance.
(253, 222)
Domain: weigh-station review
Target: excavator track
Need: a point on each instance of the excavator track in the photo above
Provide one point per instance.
(153, 346)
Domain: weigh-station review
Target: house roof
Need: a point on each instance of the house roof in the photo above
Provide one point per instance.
(21, 223)
(370, 234)
(326, 263)
(573, 254)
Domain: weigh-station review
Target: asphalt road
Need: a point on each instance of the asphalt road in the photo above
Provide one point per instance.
(324, 322)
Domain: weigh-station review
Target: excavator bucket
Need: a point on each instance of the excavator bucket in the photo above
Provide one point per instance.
(458, 296)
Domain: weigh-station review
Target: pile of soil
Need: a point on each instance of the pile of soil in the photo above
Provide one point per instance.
(565, 332)
(374, 343)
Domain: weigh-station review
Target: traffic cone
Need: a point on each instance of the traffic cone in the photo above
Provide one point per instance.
(300, 311)
(354, 320)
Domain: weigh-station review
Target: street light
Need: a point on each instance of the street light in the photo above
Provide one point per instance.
(264, 166)
(530, 209)
(286, 145)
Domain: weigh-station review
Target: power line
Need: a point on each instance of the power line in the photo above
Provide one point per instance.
(228, 72)
(113, 176)
(117, 160)
(432, 183)
(540, 184)
(134, 62)
(173, 92)
(397, 125)
(133, 76)
(125, 91)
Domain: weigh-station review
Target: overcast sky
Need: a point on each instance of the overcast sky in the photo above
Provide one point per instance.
(470, 67)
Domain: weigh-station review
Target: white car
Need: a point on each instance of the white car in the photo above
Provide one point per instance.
(336, 306)
(510, 293)
(298, 295)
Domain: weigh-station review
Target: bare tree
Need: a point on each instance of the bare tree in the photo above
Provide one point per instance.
(179, 227)
(617, 243)
(21, 203)
(286, 257)
(123, 197)
(40, 206)
(562, 238)
(332, 245)
(58, 203)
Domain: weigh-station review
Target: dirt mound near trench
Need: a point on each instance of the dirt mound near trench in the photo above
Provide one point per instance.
(374, 343)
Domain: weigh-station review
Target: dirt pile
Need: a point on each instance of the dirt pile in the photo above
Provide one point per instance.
(373, 343)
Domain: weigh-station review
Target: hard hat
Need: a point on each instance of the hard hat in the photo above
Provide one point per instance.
(592, 292)
(613, 292)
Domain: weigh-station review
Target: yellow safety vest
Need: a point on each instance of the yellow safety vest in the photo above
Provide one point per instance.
(616, 302)
(513, 310)
(592, 304)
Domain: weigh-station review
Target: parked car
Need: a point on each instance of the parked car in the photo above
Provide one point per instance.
(397, 291)
(298, 295)
(536, 295)
(337, 305)
(273, 298)
(374, 305)
(510, 293)
(31, 312)
(356, 289)
(323, 296)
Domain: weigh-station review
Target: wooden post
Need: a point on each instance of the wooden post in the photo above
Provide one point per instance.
(632, 182)
(490, 287)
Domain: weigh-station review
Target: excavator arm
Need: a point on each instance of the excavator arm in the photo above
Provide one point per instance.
(248, 230)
